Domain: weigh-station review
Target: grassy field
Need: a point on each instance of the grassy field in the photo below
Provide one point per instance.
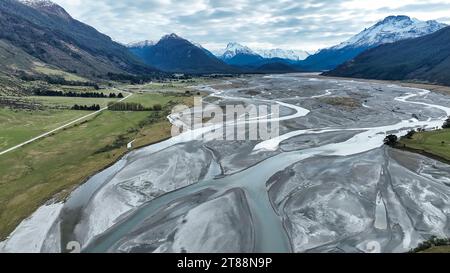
(150, 99)
(434, 143)
(55, 165)
(55, 72)
(20, 125)
(433, 245)
(437, 249)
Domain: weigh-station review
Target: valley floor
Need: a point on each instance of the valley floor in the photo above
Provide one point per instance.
(50, 168)
(325, 184)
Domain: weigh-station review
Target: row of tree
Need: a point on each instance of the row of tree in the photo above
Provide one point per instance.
(53, 93)
(126, 106)
(94, 107)
(140, 79)
(132, 106)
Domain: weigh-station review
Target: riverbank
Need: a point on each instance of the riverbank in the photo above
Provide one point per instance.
(433, 144)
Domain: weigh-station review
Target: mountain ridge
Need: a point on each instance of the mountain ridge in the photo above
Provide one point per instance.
(173, 53)
(425, 59)
(390, 29)
(47, 32)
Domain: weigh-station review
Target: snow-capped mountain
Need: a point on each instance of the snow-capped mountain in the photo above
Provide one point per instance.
(136, 47)
(424, 59)
(141, 44)
(242, 56)
(173, 53)
(389, 30)
(234, 49)
(392, 29)
(293, 55)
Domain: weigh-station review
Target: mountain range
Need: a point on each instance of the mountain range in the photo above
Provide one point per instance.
(236, 56)
(40, 33)
(425, 59)
(175, 54)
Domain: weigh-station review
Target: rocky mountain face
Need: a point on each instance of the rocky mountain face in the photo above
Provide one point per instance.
(45, 31)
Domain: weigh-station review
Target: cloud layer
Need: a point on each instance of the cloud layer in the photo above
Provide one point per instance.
(289, 24)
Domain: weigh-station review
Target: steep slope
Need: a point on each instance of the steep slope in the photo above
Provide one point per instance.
(389, 30)
(425, 59)
(47, 32)
(175, 54)
(12, 60)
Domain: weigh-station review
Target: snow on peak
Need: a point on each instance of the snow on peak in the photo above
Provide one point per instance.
(38, 3)
(294, 55)
(234, 49)
(141, 44)
(392, 29)
(47, 6)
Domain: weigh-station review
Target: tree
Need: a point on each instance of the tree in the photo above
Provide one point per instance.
(157, 107)
(391, 140)
(446, 124)
(410, 134)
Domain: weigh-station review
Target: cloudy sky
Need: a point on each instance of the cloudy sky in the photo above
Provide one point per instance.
(288, 24)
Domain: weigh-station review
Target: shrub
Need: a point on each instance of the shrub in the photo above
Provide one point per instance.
(446, 124)
(410, 134)
(157, 107)
(391, 140)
